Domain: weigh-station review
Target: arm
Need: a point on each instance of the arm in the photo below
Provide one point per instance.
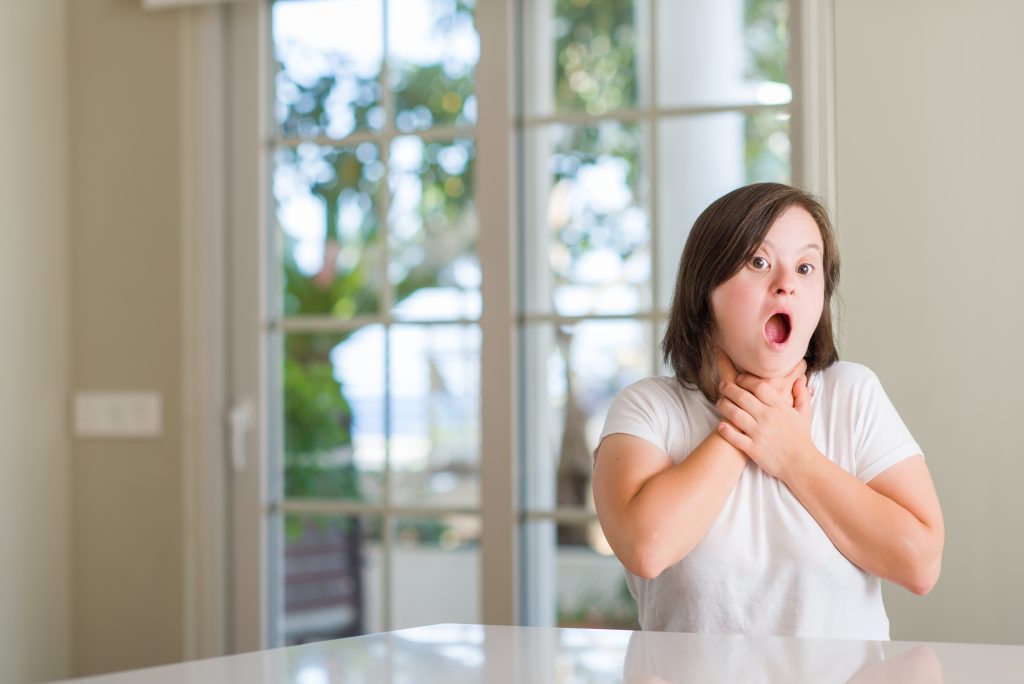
(891, 526)
(653, 512)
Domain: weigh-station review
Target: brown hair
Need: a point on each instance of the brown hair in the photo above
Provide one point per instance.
(723, 238)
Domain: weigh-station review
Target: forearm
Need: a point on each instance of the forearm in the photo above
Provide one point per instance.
(675, 508)
(871, 530)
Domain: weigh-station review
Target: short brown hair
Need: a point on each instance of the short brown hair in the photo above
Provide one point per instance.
(723, 238)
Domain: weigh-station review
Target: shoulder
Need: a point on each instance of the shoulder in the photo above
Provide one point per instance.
(658, 391)
(656, 401)
(850, 387)
(658, 409)
(845, 377)
(863, 422)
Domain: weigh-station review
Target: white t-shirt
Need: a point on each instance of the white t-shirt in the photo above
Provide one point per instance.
(766, 566)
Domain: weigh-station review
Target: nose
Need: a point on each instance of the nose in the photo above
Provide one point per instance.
(784, 283)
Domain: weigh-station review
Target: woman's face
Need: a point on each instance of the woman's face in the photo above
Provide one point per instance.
(767, 312)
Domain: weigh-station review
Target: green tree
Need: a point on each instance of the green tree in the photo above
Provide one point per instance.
(317, 416)
(766, 35)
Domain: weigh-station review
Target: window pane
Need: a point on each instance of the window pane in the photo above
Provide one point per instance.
(587, 233)
(329, 55)
(433, 227)
(728, 52)
(436, 571)
(433, 49)
(767, 151)
(435, 408)
(584, 581)
(573, 374)
(394, 403)
(703, 157)
(334, 415)
(331, 583)
(583, 56)
(326, 205)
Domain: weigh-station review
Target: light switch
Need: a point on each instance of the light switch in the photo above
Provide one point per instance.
(113, 415)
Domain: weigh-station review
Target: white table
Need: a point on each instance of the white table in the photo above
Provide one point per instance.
(536, 655)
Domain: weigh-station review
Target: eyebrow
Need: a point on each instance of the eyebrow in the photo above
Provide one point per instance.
(808, 246)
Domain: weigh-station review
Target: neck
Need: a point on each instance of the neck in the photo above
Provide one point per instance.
(744, 371)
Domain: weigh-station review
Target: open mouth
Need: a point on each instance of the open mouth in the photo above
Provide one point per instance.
(777, 328)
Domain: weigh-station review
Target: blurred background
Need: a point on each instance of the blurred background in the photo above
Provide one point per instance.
(315, 307)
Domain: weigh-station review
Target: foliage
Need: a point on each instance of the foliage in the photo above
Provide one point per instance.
(595, 71)
(427, 96)
(596, 47)
(320, 419)
(317, 416)
(766, 34)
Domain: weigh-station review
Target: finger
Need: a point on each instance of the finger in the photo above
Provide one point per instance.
(726, 369)
(764, 391)
(736, 438)
(737, 416)
(802, 397)
(742, 398)
(800, 394)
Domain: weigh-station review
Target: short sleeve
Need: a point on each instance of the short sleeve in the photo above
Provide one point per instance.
(636, 411)
(882, 439)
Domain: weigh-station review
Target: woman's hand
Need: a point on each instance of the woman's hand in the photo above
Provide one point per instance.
(769, 420)
(727, 372)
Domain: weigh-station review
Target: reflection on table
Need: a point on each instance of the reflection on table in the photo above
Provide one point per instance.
(537, 655)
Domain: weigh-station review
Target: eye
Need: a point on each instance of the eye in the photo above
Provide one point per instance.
(805, 269)
(759, 263)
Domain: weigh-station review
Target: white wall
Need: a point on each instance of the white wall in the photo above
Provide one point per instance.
(930, 175)
(35, 572)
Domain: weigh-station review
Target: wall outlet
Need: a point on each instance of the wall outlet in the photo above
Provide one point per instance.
(118, 415)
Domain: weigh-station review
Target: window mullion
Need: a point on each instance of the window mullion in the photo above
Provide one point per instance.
(570, 118)
(382, 137)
